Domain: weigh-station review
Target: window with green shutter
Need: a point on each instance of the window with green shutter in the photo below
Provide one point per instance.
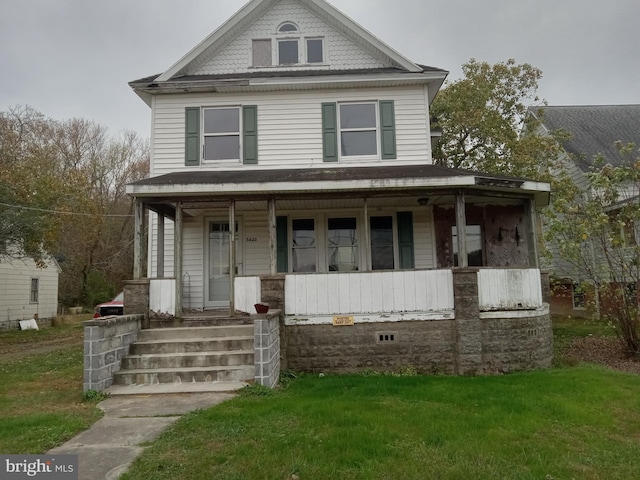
(329, 132)
(192, 136)
(405, 240)
(250, 134)
(282, 242)
(388, 129)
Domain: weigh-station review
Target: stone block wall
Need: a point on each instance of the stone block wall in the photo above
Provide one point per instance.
(136, 299)
(266, 346)
(521, 343)
(427, 346)
(106, 342)
(272, 291)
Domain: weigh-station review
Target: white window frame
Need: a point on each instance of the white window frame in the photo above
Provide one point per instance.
(293, 36)
(318, 238)
(34, 293)
(221, 134)
(355, 158)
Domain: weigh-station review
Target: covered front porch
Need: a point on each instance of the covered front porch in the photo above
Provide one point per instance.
(368, 267)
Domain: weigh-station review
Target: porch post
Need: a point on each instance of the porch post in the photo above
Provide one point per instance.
(232, 258)
(160, 258)
(532, 239)
(461, 227)
(273, 239)
(138, 239)
(367, 240)
(177, 258)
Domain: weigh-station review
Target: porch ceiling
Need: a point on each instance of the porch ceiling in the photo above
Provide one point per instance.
(351, 182)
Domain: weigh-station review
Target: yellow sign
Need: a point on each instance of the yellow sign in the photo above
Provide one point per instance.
(341, 321)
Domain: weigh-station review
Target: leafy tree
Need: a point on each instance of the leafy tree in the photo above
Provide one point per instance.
(482, 117)
(594, 231)
(62, 191)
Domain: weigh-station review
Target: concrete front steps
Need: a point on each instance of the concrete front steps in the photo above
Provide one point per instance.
(185, 360)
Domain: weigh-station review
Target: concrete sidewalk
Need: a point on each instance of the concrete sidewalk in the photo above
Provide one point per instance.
(107, 449)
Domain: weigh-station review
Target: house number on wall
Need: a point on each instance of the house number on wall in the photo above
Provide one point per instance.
(252, 239)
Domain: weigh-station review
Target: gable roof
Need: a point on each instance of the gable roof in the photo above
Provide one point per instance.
(253, 10)
(593, 129)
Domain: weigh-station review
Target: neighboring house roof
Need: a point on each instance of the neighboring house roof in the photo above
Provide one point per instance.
(593, 129)
(345, 179)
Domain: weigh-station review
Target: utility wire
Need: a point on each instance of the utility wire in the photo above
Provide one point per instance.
(59, 212)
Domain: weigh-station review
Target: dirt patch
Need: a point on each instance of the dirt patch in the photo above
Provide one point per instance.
(606, 351)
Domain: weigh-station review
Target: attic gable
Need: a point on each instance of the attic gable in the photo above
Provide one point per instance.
(343, 42)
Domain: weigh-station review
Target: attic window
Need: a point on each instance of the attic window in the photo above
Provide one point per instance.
(287, 27)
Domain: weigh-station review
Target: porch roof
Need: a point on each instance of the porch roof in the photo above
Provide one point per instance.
(353, 180)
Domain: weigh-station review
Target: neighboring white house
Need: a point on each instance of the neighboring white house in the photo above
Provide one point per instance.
(27, 291)
(309, 138)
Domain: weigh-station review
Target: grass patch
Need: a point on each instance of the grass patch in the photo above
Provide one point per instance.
(566, 329)
(565, 423)
(41, 400)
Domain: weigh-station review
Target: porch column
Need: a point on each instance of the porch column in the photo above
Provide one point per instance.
(177, 258)
(530, 209)
(138, 239)
(273, 238)
(232, 258)
(367, 239)
(461, 227)
(160, 257)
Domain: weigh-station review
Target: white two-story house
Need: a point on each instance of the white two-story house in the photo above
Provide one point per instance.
(291, 164)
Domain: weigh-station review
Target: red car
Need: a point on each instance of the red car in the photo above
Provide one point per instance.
(114, 307)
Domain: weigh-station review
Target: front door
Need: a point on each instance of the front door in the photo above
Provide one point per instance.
(217, 287)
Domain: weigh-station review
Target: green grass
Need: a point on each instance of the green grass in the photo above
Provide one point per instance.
(581, 422)
(41, 401)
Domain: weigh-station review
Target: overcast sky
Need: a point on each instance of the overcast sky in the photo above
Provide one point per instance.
(73, 58)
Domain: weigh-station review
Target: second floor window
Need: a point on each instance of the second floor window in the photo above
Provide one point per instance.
(287, 47)
(221, 133)
(358, 129)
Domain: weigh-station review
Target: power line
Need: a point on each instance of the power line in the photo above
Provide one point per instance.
(59, 212)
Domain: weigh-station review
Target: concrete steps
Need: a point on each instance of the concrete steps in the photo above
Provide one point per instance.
(188, 359)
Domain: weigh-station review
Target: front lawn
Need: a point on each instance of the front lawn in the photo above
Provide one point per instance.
(570, 423)
(41, 400)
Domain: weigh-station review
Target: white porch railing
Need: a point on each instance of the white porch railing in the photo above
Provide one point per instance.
(162, 296)
(247, 292)
(369, 292)
(509, 289)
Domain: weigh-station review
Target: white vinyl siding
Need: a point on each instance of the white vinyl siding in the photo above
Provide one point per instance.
(15, 299)
(290, 127)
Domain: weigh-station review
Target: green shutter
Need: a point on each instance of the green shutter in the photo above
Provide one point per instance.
(250, 134)
(405, 240)
(192, 136)
(282, 244)
(329, 132)
(388, 129)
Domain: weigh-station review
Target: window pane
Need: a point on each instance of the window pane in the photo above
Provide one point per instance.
(314, 51)
(288, 52)
(225, 147)
(381, 243)
(288, 27)
(343, 245)
(262, 53)
(304, 245)
(474, 245)
(222, 120)
(359, 143)
(358, 116)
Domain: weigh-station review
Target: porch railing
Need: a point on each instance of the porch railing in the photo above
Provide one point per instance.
(369, 292)
(509, 289)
